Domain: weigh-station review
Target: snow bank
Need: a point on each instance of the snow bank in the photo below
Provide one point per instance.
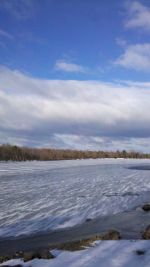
(103, 254)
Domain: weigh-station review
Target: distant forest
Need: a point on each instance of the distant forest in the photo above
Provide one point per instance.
(16, 153)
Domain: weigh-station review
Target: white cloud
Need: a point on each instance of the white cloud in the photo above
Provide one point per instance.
(63, 65)
(138, 16)
(136, 57)
(102, 143)
(71, 113)
(121, 42)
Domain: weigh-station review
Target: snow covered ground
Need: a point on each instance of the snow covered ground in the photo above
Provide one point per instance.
(103, 254)
(40, 196)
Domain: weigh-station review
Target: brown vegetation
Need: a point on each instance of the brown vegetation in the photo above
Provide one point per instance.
(16, 153)
(69, 246)
(84, 243)
(146, 234)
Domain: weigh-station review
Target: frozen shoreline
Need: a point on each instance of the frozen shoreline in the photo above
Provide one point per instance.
(113, 186)
(130, 225)
(104, 253)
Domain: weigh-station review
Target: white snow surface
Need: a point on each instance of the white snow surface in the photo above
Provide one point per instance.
(40, 196)
(103, 254)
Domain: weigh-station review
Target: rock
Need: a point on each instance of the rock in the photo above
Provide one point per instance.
(4, 258)
(27, 256)
(146, 207)
(111, 235)
(146, 234)
(40, 254)
(140, 252)
(88, 220)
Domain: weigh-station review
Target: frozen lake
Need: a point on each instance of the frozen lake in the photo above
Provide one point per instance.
(40, 196)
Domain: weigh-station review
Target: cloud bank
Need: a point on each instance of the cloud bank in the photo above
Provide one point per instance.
(73, 114)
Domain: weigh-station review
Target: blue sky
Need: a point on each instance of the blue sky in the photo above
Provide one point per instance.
(75, 73)
(83, 32)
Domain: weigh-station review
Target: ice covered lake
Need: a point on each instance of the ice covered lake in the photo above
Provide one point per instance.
(40, 196)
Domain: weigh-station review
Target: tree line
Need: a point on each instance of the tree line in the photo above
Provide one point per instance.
(17, 153)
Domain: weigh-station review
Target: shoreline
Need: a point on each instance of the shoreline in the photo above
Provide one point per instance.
(130, 225)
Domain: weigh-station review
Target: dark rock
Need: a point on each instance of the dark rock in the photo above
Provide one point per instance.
(5, 258)
(146, 207)
(146, 234)
(40, 254)
(88, 220)
(111, 235)
(17, 255)
(140, 252)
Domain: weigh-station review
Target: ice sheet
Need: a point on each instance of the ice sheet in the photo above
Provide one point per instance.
(41, 196)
